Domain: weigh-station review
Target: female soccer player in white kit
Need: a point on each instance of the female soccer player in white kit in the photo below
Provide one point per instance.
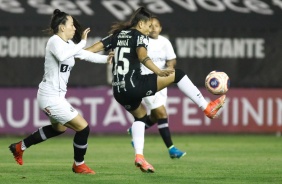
(60, 56)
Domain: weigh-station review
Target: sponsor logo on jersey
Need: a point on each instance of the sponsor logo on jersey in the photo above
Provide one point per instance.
(71, 109)
(149, 93)
(121, 84)
(142, 40)
(127, 107)
(64, 68)
(47, 111)
(125, 32)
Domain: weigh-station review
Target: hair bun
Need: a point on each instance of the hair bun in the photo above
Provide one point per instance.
(56, 11)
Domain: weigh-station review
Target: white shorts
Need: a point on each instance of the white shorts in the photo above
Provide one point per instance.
(159, 99)
(57, 108)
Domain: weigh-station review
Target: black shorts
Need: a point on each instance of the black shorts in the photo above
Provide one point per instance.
(144, 85)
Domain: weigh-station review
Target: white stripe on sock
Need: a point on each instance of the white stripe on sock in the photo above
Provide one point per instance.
(43, 136)
(80, 146)
(163, 125)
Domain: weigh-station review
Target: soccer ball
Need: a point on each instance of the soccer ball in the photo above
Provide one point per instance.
(217, 82)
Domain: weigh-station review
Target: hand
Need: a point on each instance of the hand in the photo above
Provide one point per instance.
(165, 73)
(85, 33)
(110, 57)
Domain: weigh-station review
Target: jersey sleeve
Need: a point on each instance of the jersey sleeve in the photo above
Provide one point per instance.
(142, 40)
(61, 53)
(91, 57)
(107, 42)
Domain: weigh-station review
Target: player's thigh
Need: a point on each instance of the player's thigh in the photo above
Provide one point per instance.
(78, 123)
(163, 95)
(157, 100)
(58, 109)
(163, 82)
(159, 113)
(57, 126)
(140, 112)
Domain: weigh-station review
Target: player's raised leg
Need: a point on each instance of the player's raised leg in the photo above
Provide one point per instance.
(190, 90)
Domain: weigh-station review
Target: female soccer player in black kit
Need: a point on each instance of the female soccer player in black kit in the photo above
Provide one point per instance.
(129, 40)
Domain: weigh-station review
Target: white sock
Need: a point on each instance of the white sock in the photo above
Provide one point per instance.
(23, 147)
(138, 134)
(190, 90)
(78, 163)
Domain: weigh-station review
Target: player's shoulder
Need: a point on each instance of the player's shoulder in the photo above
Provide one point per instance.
(134, 32)
(140, 37)
(129, 34)
(137, 33)
(54, 39)
(163, 39)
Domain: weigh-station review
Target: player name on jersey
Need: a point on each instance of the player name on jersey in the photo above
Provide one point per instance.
(122, 42)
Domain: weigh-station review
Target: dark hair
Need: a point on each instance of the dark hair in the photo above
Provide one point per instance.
(57, 19)
(78, 31)
(60, 17)
(140, 14)
(155, 17)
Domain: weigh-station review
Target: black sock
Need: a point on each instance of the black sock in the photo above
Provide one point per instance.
(164, 131)
(148, 123)
(80, 144)
(41, 135)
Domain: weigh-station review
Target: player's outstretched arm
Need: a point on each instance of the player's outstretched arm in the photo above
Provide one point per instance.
(96, 47)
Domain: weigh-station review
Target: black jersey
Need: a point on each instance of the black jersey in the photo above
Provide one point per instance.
(126, 64)
(129, 86)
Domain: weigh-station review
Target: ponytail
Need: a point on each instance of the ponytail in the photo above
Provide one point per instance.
(140, 14)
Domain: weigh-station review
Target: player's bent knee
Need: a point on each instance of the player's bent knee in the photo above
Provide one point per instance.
(179, 74)
(143, 119)
(158, 114)
(161, 116)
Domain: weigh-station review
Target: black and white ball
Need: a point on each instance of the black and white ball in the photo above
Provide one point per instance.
(217, 82)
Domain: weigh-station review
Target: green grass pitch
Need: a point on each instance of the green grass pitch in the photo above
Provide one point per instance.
(219, 159)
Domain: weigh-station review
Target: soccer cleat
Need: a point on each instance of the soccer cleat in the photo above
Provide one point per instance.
(82, 169)
(17, 152)
(129, 131)
(214, 106)
(143, 164)
(175, 153)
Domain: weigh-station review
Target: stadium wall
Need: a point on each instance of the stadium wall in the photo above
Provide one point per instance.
(245, 111)
(242, 38)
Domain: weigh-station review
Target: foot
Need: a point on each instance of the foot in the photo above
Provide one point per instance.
(143, 164)
(175, 153)
(82, 169)
(129, 131)
(17, 152)
(214, 106)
